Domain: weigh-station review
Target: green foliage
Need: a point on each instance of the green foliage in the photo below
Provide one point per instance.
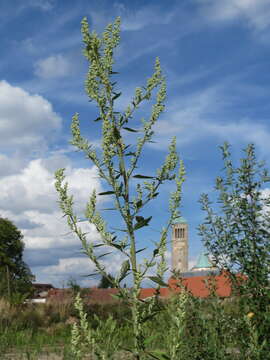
(15, 276)
(238, 236)
(73, 285)
(102, 342)
(105, 282)
(117, 166)
(210, 329)
(184, 328)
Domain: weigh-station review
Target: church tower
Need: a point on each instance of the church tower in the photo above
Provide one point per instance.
(180, 245)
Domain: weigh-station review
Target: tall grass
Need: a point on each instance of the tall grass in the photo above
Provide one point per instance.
(184, 328)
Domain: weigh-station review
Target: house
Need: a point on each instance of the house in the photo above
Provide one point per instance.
(40, 292)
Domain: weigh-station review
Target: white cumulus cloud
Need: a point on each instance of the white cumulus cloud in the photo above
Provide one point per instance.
(54, 66)
(8, 166)
(25, 119)
(83, 266)
(33, 188)
(52, 231)
(30, 197)
(78, 267)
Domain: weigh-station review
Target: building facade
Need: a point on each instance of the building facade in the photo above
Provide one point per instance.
(180, 245)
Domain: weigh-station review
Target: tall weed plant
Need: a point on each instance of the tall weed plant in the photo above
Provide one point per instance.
(117, 167)
(185, 328)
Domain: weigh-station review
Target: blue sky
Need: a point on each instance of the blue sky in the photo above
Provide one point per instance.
(215, 56)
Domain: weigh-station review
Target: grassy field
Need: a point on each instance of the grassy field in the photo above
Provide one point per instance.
(199, 329)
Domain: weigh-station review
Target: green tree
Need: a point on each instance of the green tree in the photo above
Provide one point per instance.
(117, 166)
(237, 235)
(73, 285)
(106, 282)
(16, 277)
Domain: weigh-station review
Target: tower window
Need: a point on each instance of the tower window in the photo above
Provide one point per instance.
(179, 233)
(182, 233)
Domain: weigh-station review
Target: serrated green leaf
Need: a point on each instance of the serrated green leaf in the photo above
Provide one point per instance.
(115, 296)
(107, 193)
(141, 222)
(130, 129)
(138, 176)
(158, 280)
(93, 274)
(121, 187)
(151, 196)
(101, 256)
(116, 96)
(140, 250)
(117, 246)
(155, 252)
(125, 267)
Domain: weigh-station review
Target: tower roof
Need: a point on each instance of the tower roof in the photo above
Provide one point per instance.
(179, 220)
(203, 262)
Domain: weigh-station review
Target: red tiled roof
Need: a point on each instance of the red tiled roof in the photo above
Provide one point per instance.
(196, 285)
(102, 296)
(146, 293)
(59, 294)
(92, 295)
